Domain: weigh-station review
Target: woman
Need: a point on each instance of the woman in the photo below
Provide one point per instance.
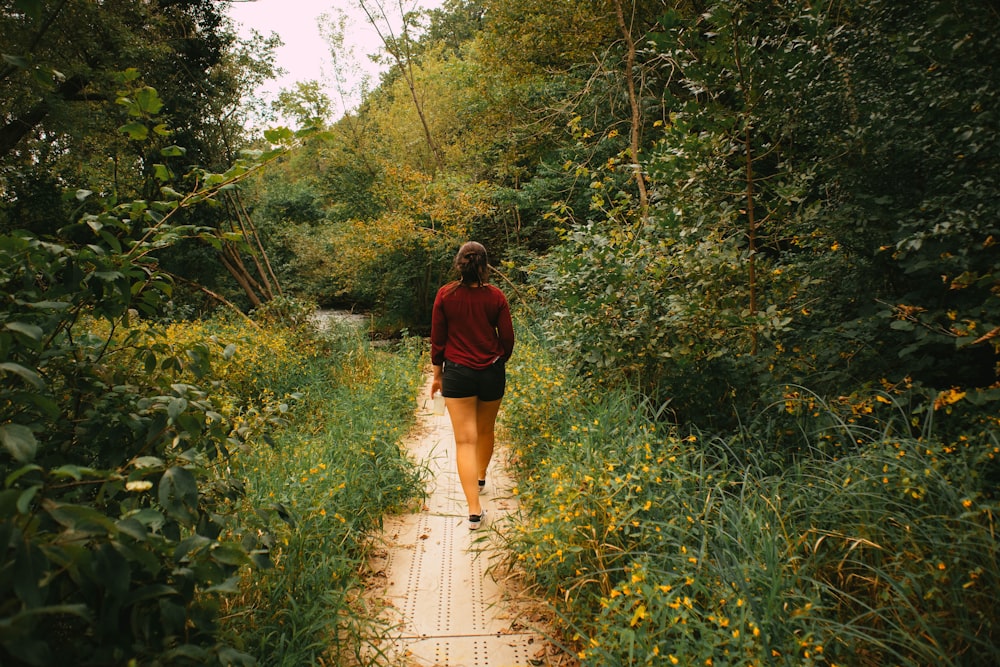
(471, 340)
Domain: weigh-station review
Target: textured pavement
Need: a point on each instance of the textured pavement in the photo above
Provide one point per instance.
(444, 605)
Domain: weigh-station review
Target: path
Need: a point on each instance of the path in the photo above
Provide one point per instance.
(445, 606)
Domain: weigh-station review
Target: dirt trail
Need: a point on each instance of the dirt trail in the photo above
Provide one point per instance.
(446, 608)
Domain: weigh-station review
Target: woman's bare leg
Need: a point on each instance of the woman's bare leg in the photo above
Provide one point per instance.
(486, 419)
(463, 412)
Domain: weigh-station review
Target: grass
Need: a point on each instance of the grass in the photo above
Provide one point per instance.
(865, 544)
(656, 546)
(320, 492)
(308, 463)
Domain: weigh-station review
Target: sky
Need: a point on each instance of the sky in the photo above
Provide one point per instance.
(305, 55)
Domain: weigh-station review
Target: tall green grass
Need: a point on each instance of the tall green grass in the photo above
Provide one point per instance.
(321, 492)
(657, 546)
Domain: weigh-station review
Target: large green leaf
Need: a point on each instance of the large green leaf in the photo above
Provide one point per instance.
(19, 441)
(80, 518)
(178, 494)
(135, 130)
(148, 101)
(32, 331)
(25, 373)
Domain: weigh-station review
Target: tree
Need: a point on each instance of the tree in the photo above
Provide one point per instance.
(61, 59)
(634, 103)
(63, 104)
(401, 52)
(306, 103)
(116, 509)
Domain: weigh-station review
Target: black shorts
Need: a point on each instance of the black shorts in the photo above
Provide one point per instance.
(487, 384)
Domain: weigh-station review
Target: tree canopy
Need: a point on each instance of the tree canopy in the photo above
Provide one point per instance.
(712, 185)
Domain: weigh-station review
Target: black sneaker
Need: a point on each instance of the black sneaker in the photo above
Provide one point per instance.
(476, 520)
(482, 486)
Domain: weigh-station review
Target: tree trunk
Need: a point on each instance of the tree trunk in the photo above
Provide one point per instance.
(240, 215)
(633, 101)
(747, 88)
(16, 129)
(243, 279)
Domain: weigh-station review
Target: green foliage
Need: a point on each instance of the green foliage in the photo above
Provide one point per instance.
(388, 253)
(117, 502)
(790, 213)
(77, 111)
(60, 77)
(660, 548)
(306, 103)
(933, 147)
(113, 511)
(323, 490)
(139, 502)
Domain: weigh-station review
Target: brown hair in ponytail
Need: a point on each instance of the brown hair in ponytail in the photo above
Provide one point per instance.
(472, 263)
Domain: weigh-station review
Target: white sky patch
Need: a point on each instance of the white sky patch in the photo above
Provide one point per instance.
(305, 55)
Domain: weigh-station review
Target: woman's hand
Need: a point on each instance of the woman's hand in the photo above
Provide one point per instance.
(436, 382)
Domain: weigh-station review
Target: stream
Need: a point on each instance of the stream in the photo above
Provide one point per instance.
(327, 318)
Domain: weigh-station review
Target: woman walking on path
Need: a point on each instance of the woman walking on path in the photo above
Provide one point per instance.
(471, 340)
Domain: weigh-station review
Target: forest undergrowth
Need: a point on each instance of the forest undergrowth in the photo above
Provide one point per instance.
(862, 544)
(334, 471)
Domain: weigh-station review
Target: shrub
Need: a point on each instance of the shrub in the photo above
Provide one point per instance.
(657, 545)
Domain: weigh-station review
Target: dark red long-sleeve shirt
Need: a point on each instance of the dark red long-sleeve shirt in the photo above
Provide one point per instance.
(471, 326)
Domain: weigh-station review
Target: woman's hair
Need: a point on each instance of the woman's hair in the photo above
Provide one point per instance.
(472, 263)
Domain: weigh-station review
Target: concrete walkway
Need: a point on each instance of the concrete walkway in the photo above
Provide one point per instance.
(443, 603)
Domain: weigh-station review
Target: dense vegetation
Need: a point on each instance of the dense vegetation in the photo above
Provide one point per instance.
(761, 238)
(666, 545)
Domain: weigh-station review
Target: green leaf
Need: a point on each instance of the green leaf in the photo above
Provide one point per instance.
(178, 493)
(45, 76)
(80, 518)
(148, 101)
(16, 61)
(48, 305)
(147, 462)
(189, 652)
(19, 441)
(46, 405)
(230, 585)
(162, 172)
(24, 500)
(278, 135)
(150, 517)
(17, 474)
(176, 407)
(30, 330)
(191, 545)
(261, 559)
(149, 593)
(150, 362)
(133, 529)
(72, 471)
(173, 151)
(230, 554)
(135, 130)
(130, 74)
(108, 276)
